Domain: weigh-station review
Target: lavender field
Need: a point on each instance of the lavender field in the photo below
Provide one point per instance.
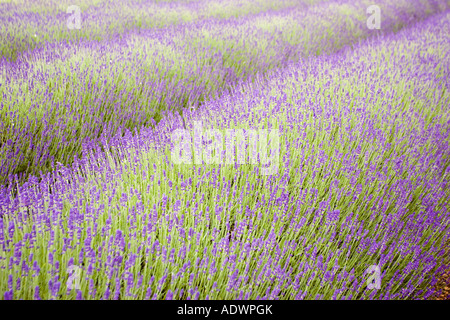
(118, 178)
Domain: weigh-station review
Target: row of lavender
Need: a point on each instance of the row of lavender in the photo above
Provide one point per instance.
(65, 98)
(362, 181)
(30, 25)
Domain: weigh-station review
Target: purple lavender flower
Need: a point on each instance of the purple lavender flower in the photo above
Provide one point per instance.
(333, 215)
(9, 295)
(36, 293)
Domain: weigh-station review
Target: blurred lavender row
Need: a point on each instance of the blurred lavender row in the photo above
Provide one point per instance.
(30, 25)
